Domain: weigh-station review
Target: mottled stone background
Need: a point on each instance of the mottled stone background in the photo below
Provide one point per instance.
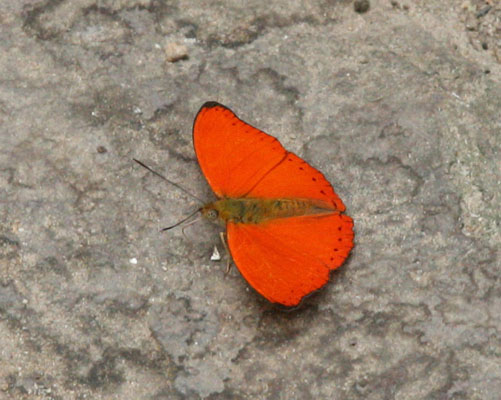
(399, 106)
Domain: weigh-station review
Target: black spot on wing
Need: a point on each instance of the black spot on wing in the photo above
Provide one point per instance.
(212, 104)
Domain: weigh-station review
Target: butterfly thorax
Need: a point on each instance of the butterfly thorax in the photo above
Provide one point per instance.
(256, 211)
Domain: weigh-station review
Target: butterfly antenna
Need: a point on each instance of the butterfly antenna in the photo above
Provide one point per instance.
(169, 181)
(183, 220)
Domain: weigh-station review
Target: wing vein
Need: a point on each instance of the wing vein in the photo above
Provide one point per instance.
(269, 171)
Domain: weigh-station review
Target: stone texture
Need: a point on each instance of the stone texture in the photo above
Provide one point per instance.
(399, 107)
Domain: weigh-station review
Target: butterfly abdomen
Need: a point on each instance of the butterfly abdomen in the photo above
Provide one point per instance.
(256, 211)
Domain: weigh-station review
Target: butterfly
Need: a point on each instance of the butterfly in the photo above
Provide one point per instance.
(285, 226)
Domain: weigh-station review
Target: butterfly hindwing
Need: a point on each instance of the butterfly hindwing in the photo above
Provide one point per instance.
(287, 258)
(295, 178)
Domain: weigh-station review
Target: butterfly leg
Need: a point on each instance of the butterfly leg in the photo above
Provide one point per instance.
(228, 257)
(185, 226)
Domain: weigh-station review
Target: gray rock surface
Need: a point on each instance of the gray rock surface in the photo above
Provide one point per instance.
(398, 106)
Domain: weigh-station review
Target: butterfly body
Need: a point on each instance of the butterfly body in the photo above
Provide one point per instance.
(286, 227)
(258, 211)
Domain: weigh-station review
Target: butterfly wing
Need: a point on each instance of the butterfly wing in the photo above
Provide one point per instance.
(285, 259)
(239, 160)
(295, 178)
(233, 155)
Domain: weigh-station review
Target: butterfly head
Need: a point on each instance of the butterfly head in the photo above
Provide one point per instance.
(213, 213)
(221, 211)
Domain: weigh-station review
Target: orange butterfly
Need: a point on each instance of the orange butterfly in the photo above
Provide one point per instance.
(285, 224)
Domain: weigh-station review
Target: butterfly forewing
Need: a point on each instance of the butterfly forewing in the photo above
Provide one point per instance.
(233, 155)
